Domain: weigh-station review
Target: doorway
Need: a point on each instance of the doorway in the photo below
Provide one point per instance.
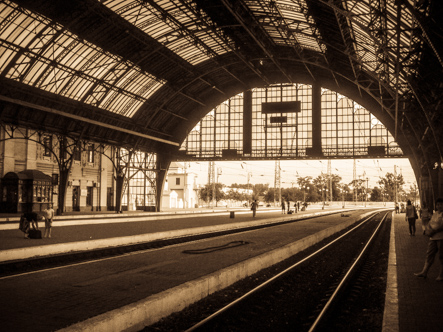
(90, 198)
(76, 198)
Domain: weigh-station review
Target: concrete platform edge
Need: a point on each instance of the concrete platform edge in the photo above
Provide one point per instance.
(113, 215)
(136, 316)
(88, 220)
(390, 315)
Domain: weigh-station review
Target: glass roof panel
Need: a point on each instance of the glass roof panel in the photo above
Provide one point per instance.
(178, 27)
(79, 86)
(286, 22)
(50, 58)
(366, 24)
(6, 55)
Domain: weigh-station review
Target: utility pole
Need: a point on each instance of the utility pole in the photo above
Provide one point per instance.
(185, 186)
(395, 184)
(367, 189)
(354, 195)
(219, 172)
(330, 180)
(277, 182)
(249, 177)
(211, 181)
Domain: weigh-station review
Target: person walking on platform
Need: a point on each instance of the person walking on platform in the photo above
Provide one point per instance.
(254, 207)
(435, 231)
(49, 215)
(289, 205)
(411, 216)
(283, 207)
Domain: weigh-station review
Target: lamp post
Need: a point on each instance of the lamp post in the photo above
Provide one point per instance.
(249, 174)
(367, 187)
(219, 172)
(304, 193)
(249, 177)
(323, 196)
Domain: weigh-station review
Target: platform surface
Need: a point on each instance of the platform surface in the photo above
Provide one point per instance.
(420, 301)
(47, 301)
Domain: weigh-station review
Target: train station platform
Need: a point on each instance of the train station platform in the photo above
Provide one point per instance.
(79, 298)
(412, 304)
(77, 232)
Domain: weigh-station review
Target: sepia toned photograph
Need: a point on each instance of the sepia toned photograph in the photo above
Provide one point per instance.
(221, 165)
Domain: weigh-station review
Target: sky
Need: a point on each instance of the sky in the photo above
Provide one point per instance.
(263, 171)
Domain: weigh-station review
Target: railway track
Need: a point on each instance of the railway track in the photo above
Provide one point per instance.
(314, 293)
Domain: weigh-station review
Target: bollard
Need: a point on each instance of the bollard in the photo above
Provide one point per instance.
(232, 214)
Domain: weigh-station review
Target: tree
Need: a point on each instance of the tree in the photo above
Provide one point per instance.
(336, 187)
(206, 193)
(409, 194)
(240, 186)
(260, 189)
(389, 184)
(321, 184)
(235, 195)
(292, 194)
(344, 193)
(376, 195)
(359, 186)
(305, 184)
(269, 195)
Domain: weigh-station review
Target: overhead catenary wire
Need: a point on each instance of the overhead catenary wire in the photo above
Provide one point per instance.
(263, 171)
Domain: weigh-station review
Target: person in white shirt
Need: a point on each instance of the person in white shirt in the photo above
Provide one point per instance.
(49, 215)
(434, 230)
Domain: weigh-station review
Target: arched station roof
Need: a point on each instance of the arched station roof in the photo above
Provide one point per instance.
(143, 72)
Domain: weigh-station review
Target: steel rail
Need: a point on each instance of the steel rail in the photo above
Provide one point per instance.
(277, 276)
(334, 297)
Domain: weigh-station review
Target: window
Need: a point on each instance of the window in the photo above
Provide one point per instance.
(90, 153)
(347, 129)
(89, 196)
(77, 154)
(177, 181)
(142, 179)
(42, 192)
(47, 144)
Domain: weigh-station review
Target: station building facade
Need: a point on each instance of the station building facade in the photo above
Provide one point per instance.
(180, 190)
(30, 175)
(90, 185)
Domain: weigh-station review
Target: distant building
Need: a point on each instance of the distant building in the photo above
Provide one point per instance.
(180, 189)
(238, 190)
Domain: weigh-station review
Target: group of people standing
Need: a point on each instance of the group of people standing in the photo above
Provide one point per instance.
(297, 206)
(29, 221)
(432, 226)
